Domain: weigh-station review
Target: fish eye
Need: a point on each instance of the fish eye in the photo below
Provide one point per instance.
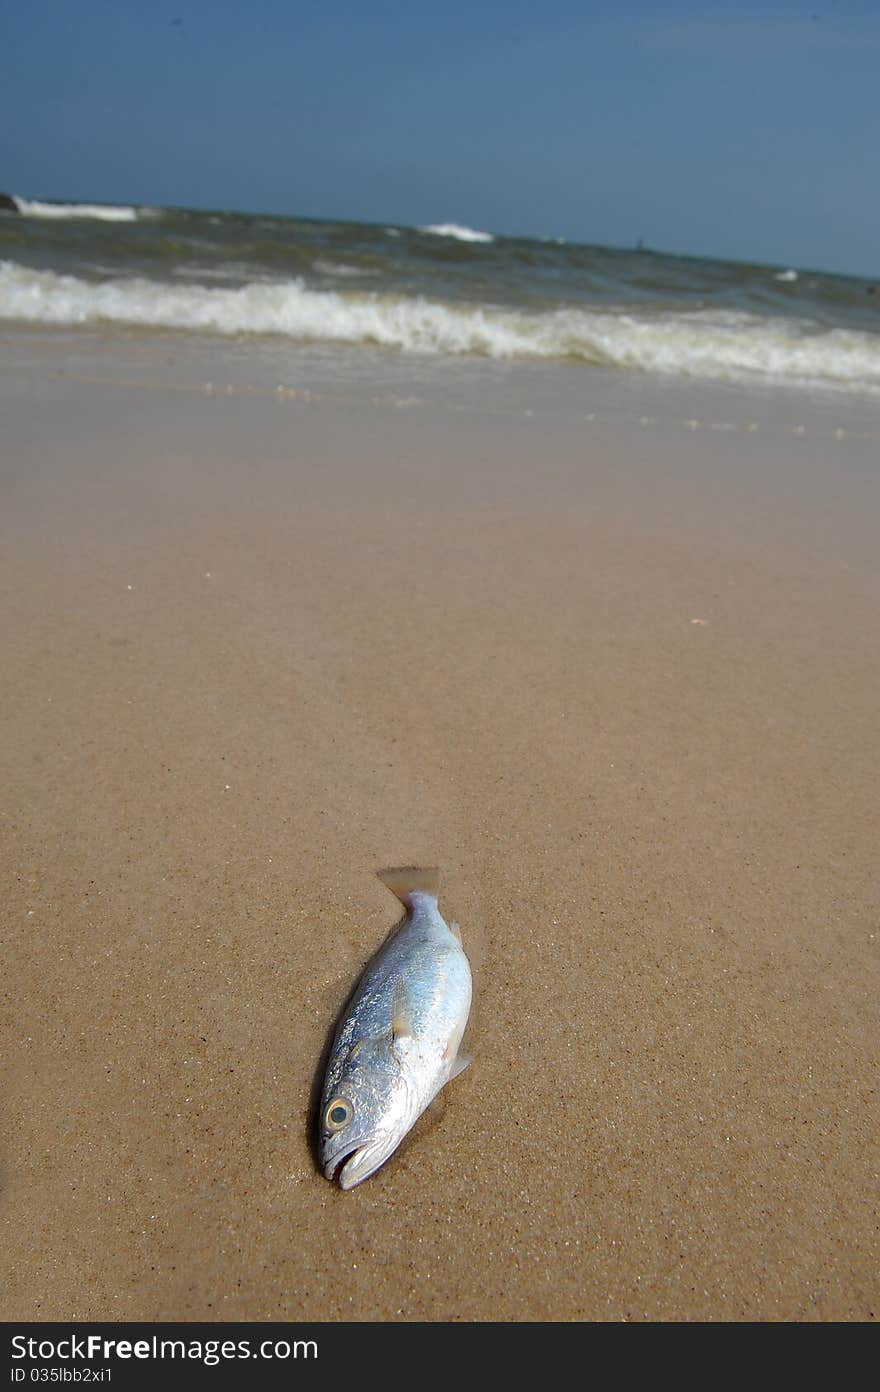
(338, 1113)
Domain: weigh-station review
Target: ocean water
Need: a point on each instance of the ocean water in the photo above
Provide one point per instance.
(445, 290)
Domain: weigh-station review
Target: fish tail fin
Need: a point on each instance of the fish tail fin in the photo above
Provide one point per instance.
(407, 880)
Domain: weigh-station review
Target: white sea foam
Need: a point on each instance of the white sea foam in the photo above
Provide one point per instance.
(104, 212)
(337, 268)
(706, 343)
(788, 275)
(461, 234)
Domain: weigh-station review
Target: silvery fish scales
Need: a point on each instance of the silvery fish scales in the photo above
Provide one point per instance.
(398, 1042)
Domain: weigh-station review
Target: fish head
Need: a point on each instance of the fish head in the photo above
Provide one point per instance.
(367, 1108)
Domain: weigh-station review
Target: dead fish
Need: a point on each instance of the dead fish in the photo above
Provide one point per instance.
(398, 1042)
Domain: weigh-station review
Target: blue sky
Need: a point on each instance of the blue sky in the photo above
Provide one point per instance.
(739, 130)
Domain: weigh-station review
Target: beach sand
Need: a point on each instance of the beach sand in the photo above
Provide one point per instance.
(602, 647)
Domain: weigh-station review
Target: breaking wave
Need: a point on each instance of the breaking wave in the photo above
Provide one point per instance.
(460, 234)
(104, 212)
(702, 343)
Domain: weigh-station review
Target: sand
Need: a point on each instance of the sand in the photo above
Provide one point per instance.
(602, 647)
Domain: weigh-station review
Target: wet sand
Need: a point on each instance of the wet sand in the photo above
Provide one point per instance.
(605, 649)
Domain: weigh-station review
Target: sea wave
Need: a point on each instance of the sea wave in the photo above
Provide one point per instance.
(104, 212)
(337, 268)
(461, 234)
(706, 343)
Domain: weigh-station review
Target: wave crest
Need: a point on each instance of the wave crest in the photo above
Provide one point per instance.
(104, 212)
(702, 343)
(459, 233)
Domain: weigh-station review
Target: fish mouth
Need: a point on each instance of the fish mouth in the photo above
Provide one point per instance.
(334, 1167)
(356, 1163)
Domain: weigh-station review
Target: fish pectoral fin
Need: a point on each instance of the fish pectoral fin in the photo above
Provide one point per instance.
(455, 930)
(401, 1022)
(459, 1065)
(367, 1042)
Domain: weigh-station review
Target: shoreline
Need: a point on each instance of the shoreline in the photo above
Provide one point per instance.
(588, 641)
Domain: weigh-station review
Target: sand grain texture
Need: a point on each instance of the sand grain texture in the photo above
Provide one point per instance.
(257, 648)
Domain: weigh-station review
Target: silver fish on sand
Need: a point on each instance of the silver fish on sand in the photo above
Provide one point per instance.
(398, 1042)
